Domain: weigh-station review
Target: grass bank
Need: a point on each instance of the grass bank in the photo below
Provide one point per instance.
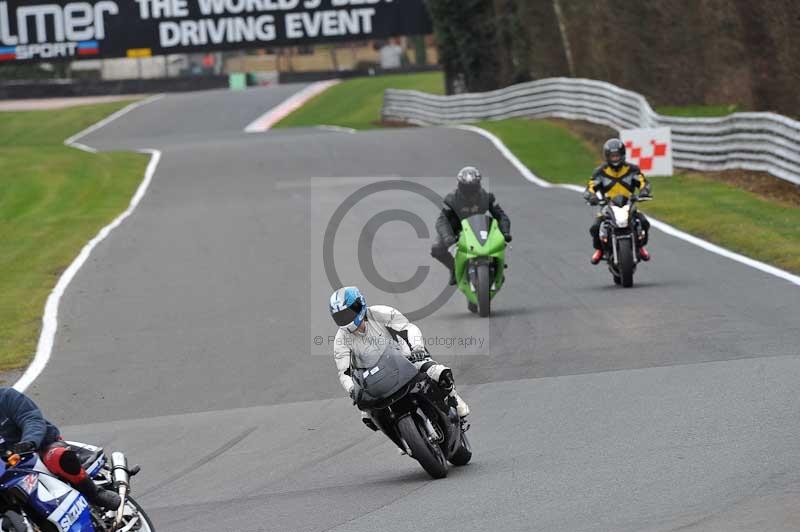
(356, 103)
(53, 200)
(697, 110)
(718, 212)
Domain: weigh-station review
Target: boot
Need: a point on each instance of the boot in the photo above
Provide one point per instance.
(448, 385)
(452, 281)
(106, 499)
(644, 254)
(461, 407)
(598, 254)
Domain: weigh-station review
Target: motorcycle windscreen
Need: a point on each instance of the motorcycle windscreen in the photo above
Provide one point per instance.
(619, 200)
(380, 371)
(480, 225)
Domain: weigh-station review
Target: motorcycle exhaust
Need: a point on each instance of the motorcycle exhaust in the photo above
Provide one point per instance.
(121, 476)
(119, 468)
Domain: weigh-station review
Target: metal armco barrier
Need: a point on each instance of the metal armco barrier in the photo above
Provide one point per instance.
(754, 141)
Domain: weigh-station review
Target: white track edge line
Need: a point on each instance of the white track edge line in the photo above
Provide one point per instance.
(107, 120)
(662, 226)
(338, 129)
(283, 109)
(50, 318)
(719, 250)
(82, 147)
(524, 170)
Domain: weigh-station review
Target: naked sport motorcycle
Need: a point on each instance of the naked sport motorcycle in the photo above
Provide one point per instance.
(620, 234)
(32, 499)
(480, 262)
(409, 408)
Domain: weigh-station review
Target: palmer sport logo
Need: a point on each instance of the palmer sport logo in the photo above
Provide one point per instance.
(49, 31)
(49, 50)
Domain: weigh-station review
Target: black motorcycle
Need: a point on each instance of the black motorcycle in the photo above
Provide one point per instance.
(620, 234)
(410, 408)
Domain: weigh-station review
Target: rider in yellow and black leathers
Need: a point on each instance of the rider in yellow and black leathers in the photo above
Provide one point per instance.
(611, 179)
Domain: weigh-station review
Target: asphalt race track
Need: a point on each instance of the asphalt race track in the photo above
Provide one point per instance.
(185, 340)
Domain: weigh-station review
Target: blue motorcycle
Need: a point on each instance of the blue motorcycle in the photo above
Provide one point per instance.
(34, 500)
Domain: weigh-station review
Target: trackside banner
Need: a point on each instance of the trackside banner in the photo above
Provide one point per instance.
(48, 31)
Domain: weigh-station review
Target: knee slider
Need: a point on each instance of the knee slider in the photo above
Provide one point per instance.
(439, 250)
(70, 462)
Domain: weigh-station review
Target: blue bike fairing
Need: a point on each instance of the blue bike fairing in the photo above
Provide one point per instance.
(48, 496)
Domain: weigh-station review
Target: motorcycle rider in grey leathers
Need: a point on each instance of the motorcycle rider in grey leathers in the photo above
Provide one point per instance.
(362, 327)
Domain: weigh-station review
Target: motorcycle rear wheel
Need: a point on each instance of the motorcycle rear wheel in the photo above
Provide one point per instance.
(428, 454)
(145, 524)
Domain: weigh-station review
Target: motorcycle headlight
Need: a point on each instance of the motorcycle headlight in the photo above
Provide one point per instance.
(621, 215)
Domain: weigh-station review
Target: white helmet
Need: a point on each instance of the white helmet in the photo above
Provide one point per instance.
(348, 308)
(469, 181)
(469, 175)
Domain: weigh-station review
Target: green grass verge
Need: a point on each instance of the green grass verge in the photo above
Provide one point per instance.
(53, 200)
(697, 110)
(550, 151)
(356, 103)
(720, 213)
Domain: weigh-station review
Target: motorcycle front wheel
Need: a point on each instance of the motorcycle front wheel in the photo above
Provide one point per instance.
(484, 288)
(428, 454)
(625, 254)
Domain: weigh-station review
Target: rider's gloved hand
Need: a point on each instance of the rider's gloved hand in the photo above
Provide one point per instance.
(23, 447)
(450, 240)
(446, 380)
(418, 354)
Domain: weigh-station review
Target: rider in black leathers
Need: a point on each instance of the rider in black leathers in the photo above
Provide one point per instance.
(468, 199)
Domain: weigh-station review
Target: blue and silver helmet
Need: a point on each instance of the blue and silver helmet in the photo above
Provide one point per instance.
(348, 308)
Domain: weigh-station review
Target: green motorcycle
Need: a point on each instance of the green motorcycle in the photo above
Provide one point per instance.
(480, 262)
